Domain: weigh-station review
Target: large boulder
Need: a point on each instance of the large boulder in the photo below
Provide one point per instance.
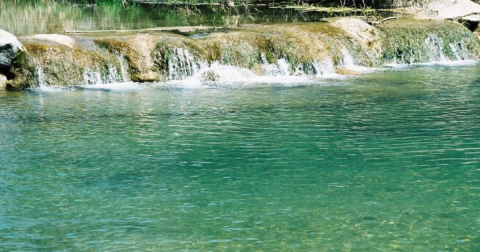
(366, 35)
(137, 50)
(9, 47)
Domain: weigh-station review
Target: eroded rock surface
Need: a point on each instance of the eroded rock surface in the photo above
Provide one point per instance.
(56, 38)
(367, 35)
(313, 49)
(9, 47)
(137, 50)
(3, 82)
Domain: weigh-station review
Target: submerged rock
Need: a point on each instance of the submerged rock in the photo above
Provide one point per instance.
(9, 48)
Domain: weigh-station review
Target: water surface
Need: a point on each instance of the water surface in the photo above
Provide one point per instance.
(29, 18)
(388, 161)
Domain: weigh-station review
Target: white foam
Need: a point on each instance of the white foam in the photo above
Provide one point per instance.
(217, 75)
(452, 63)
(121, 86)
(49, 89)
(348, 62)
(437, 63)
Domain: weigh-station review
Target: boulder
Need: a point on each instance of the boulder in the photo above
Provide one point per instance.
(9, 47)
(137, 50)
(366, 35)
(56, 38)
(449, 9)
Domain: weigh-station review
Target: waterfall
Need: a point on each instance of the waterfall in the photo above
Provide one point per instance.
(109, 75)
(347, 59)
(282, 68)
(434, 45)
(460, 51)
(263, 54)
(91, 77)
(324, 68)
(112, 75)
(181, 64)
(40, 76)
(123, 68)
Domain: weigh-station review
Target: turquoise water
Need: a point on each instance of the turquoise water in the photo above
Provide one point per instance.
(388, 161)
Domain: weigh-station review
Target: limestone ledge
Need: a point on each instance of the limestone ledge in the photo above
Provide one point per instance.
(309, 48)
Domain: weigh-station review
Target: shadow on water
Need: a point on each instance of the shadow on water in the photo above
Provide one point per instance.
(57, 17)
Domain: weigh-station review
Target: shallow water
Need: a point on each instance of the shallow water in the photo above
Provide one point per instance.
(387, 161)
(23, 18)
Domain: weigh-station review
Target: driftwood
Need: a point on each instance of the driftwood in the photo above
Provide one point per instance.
(184, 29)
(381, 21)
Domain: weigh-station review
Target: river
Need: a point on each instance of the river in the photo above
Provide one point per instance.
(385, 161)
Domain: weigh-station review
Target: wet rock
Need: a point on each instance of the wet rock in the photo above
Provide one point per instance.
(210, 76)
(56, 64)
(300, 49)
(137, 50)
(56, 38)
(145, 77)
(3, 82)
(9, 48)
(367, 35)
(346, 71)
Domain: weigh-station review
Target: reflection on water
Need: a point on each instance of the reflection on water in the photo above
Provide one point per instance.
(385, 162)
(58, 17)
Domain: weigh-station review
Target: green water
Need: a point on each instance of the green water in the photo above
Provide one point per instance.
(388, 161)
(58, 18)
(55, 17)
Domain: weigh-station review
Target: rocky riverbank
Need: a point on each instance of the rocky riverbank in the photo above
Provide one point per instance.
(337, 46)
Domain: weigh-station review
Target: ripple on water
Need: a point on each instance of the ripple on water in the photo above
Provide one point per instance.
(385, 161)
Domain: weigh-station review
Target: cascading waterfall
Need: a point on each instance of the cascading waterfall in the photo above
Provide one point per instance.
(112, 75)
(460, 51)
(282, 68)
(347, 59)
(181, 64)
(324, 68)
(91, 77)
(247, 55)
(40, 76)
(434, 45)
(123, 68)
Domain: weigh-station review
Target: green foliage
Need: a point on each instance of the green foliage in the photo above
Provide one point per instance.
(19, 60)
